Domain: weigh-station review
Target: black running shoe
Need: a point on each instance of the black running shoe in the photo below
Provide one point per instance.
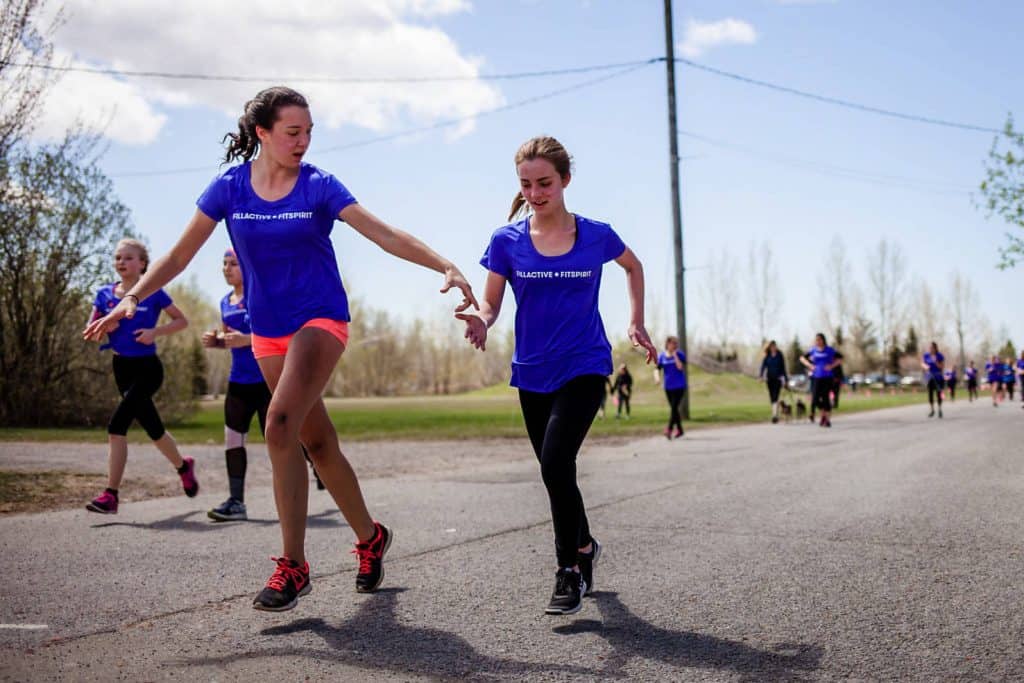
(284, 588)
(230, 510)
(568, 595)
(587, 562)
(371, 559)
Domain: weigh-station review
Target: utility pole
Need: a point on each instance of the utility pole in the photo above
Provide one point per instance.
(677, 215)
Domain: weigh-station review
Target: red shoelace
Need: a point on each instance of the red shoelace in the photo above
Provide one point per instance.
(286, 571)
(366, 554)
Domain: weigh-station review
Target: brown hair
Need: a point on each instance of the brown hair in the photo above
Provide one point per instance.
(139, 247)
(259, 111)
(672, 339)
(541, 147)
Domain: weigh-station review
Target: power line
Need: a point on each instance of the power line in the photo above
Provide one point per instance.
(128, 73)
(835, 100)
(424, 129)
(860, 175)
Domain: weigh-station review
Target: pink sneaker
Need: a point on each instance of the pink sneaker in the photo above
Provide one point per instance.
(188, 478)
(105, 504)
(679, 432)
(668, 433)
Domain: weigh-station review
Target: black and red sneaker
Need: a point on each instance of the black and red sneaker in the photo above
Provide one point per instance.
(288, 582)
(371, 559)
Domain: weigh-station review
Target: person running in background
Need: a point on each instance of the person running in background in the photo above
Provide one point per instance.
(623, 388)
(933, 364)
(247, 396)
(821, 361)
(1009, 377)
(561, 355)
(608, 388)
(672, 366)
(837, 380)
(994, 374)
(971, 377)
(137, 371)
(949, 377)
(1020, 375)
(773, 373)
(279, 213)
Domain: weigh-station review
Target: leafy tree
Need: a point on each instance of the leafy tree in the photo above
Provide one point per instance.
(1002, 190)
(912, 345)
(793, 355)
(1007, 351)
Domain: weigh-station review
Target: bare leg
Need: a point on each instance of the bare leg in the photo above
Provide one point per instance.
(169, 447)
(118, 459)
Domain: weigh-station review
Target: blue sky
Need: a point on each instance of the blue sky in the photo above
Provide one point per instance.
(952, 60)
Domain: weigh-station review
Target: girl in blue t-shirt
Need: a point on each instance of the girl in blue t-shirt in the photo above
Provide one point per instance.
(1009, 377)
(1020, 376)
(279, 213)
(821, 361)
(672, 366)
(971, 377)
(933, 363)
(247, 396)
(773, 372)
(138, 371)
(553, 260)
(994, 375)
(950, 379)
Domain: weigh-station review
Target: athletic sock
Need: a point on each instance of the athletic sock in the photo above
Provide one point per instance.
(112, 492)
(236, 459)
(183, 469)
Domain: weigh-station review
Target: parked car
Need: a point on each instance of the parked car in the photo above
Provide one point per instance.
(798, 381)
(911, 381)
(891, 380)
(856, 378)
(873, 379)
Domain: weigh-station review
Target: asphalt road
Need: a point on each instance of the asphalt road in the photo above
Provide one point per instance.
(886, 548)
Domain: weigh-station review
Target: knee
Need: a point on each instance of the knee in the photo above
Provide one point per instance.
(318, 448)
(555, 473)
(233, 438)
(281, 429)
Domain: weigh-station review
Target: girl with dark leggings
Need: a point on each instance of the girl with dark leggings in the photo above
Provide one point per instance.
(933, 363)
(553, 261)
(821, 361)
(971, 376)
(623, 389)
(672, 366)
(138, 373)
(773, 372)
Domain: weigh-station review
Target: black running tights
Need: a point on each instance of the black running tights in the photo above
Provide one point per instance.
(675, 398)
(557, 423)
(934, 391)
(138, 378)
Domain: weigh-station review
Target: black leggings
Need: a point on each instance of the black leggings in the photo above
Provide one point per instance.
(675, 397)
(774, 387)
(557, 423)
(951, 385)
(822, 388)
(138, 378)
(972, 389)
(242, 402)
(836, 387)
(934, 391)
(623, 402)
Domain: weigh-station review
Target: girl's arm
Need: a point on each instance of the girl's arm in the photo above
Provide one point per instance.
(679, 362)
(178, 323)
(403, 245)
(806, 363)
(635, 283)
(478, 322)
(162, 271)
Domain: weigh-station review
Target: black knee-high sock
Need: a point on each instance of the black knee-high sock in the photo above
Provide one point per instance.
(236, 460)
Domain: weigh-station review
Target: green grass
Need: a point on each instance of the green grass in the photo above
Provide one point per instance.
(493, 412)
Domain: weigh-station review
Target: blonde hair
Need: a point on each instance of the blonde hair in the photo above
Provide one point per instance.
(139, 247)
(540, 147)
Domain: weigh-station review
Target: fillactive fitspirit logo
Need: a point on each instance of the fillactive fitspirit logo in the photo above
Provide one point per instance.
(283, 216)
(554, 274)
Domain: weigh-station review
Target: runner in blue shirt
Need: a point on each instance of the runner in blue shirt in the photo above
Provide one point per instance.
(672, 366)
(1009, 377)
(971, 377)
(247, 396)
(950, 377)
(553, 262)
(1020, 375)
(933, 364)
(994, 375)
(279, 213)
(137, 371)
(821, 360)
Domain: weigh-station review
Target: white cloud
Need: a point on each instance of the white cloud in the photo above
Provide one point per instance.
(299, 39)
(701, 36)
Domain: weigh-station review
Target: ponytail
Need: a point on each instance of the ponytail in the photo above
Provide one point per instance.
(518, 203)
(259, 111)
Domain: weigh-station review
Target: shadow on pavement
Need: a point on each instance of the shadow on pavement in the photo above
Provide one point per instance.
(325, 519)
(375, 640)
(629, 637)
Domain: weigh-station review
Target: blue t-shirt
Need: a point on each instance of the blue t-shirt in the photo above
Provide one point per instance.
(122, 339)
(821, 359)
(1007, 373)
(672, 377)
(284, 247)
(949, 376)
(244, 368)
(1020, 363)
(932, 361)
(971, 373)
(558, 330)
(994, 372)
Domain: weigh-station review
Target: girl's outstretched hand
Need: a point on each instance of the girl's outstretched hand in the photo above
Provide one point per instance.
(95, 330)
(638, 335)
(476, 329)
(453, 277)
